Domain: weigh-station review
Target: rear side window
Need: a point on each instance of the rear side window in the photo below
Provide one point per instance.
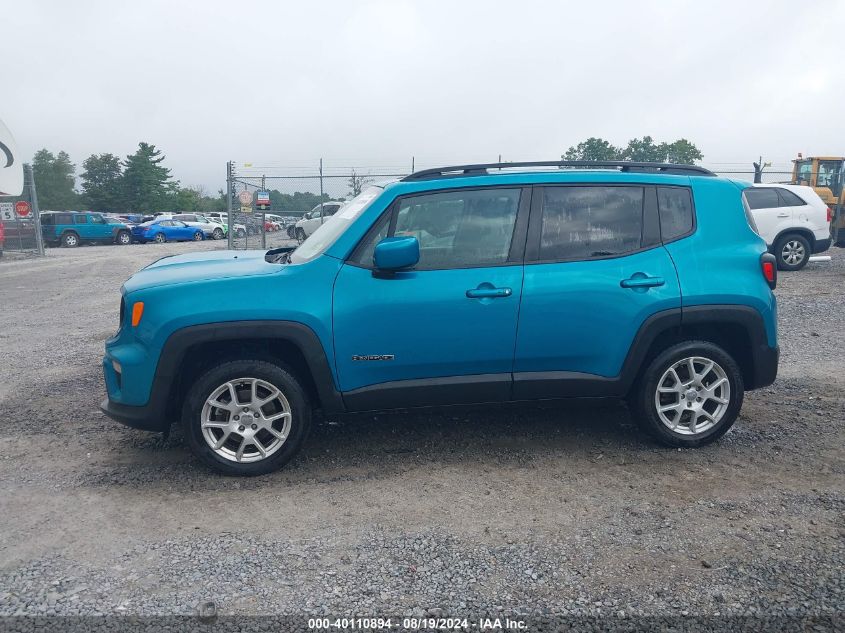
(80, 219)
(762, 198)
(587, 222)
(676, 217)
(64, 218)
(789, 199)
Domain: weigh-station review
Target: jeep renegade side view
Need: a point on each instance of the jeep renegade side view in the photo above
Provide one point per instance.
(460, 285)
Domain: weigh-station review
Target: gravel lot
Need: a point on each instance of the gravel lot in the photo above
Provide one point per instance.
(489, 512)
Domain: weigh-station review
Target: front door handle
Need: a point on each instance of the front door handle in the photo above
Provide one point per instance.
(641, 281)
(483, 292)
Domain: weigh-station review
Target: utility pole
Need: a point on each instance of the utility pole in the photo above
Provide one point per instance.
(229, 202)
(36, 213)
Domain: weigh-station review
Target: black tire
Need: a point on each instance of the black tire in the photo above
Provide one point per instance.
(198, 236)
(291, 232)
(281, 378)
(645, 407)
(124, 238)
(160, 238)
(300, 234)
(788, 247)
(240, 233)
(70, 240)
(217, 234)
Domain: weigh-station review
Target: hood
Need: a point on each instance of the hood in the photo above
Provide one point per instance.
(178, 269)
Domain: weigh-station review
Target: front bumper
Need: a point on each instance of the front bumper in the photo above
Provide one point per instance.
(149, 417)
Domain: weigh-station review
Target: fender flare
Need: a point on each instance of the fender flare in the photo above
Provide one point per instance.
(303, 337)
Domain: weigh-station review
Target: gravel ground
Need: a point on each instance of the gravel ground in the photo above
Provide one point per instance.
(501, 512)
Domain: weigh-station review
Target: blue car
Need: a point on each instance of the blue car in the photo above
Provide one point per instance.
(460, 285)
(165, 230)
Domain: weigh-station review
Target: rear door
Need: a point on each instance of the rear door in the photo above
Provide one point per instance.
(595, 270)
(444, 332)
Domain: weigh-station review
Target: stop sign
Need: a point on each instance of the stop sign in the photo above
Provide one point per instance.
(22, 208)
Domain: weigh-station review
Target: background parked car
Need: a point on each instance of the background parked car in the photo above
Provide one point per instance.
(72, 228)
(314, 218)
(793, 219)
(211, 229)
(223, 218)
(166, 230)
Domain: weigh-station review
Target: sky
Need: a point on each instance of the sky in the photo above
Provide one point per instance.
(372, 83)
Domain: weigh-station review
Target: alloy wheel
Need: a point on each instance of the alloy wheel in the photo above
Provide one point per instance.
(793, 252)
(246, 420)
(692, 395)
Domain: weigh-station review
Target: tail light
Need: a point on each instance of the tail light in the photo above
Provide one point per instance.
(829, 214)
(768, 265)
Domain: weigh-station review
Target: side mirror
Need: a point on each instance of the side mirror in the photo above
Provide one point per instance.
(396, 253)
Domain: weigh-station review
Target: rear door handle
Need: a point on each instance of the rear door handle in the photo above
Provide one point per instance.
(488, 293)
(642, 282)
(783, 215)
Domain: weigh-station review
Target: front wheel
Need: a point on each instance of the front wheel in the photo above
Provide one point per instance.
(246, 417)
(792, 252)
(198, 236)
(124, 238)
(690, 395)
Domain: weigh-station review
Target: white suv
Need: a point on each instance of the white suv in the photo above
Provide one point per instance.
(792, 219)
(312, 220)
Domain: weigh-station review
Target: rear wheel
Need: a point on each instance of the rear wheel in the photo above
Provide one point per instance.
(240, 233)
(246, 417)
(690, 395)
(198, 236)
(160, 238)
(792, 252)
(70, 239)
(124, 238)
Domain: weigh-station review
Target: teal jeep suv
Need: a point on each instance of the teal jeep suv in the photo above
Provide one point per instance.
(460, 285)
(72, 228)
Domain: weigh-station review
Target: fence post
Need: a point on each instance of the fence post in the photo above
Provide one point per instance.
(321, 192)
(229, 203)
(36, 213)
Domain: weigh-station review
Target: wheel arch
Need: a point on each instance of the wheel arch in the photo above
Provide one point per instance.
(188, 352)
(799, 230)
(737, 329)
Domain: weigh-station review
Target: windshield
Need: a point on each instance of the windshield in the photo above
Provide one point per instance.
(334, 227)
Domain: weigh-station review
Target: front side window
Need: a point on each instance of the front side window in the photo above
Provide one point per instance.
(675, 207)
(762, 198)
(805, 172)
(97, 219)
(455, 229)
(585, 222)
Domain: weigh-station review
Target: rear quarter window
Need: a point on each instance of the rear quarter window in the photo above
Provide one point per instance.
(761, 198)
(676, 213)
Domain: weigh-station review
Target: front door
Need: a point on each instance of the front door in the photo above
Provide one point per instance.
(595, 270)
(443, 332)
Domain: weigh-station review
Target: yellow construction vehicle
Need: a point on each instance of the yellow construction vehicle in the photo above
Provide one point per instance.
(826, 175)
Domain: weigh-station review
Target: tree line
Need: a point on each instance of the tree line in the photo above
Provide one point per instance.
(140, 183)
(645, 149)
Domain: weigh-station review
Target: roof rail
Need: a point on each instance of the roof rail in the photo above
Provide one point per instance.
(621, 165)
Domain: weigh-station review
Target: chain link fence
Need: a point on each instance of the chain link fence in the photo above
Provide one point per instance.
(297, 200)
(20, 220)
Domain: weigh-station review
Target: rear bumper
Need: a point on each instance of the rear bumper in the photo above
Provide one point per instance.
(821, 246)
(765, 366)
(146, 418)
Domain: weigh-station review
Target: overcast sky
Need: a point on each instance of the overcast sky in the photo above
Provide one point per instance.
(372, 83)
